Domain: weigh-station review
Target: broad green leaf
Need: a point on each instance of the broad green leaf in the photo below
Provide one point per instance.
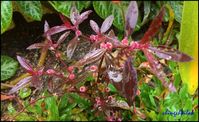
(106, 8)
(31, 9)
(8, 67)
(177, 8)
(65, 6)
(6, 15)
(24, 92)
(52, 109)
(188, 44)
(11, 109)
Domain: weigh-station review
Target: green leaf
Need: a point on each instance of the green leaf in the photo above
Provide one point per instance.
(11, 109)
(6, 15)
(9, 67)
(82, 102)
(177, 8)
(24, 117)
(147, 6)
(63, 102)
(106, 8)
(188, 44)
(65, 6)
(31, 9)
(53, 113)
(24, 92)
(112, 87)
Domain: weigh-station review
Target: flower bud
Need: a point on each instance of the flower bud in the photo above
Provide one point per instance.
(71, 76)
(82, 89)
(50, 71)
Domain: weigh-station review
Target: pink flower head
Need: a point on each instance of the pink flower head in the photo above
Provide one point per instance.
(107, 45)
(82, 89)
(78, 33)
(50, 71)
(71, 76)
(103, 45)
(110, 98)
(70, 69)
(94, 38)
(125, 41)
(134, 45)
(93, 68)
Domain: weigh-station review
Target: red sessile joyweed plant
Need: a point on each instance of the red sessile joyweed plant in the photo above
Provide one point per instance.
(109, 59)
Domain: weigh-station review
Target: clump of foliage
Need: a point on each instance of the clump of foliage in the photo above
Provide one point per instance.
(105, 79)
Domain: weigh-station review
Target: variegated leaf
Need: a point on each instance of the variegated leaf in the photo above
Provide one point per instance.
(170, 54)
(131, 17)
(94, 26)
(55, 29)
(71, 47)
(63, 37)
(36, 46)
(107, 24)
(129, 81)
(24, 63)
(74, 15)
(157, 69)
(154, 27)
(22, 83)
(91, 57)
(84, 16)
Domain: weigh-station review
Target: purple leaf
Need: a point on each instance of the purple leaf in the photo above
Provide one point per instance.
(55, 29)
(22, 83)
(84, 16)
(129, 81)
(157, 69)
(71, 47)
(74, 15)
(170, 54)
(131, 17)
(24, 63)
(94, 26)
(154, 27)
(46, 26)
(36, 46)
(63, 37)
(91, 57)
(107, 24)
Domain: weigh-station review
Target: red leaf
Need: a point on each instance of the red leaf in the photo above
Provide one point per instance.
(131, 17)
(84, 16)
(107, 24)
(157, 69)
(154, 27)
(94, 26)
(24, 63)
(71, 47)
(22, 83)
(36, 46)
(55, 29)
(91, 57)
(63, 37)
(170, 54)
(65, 21)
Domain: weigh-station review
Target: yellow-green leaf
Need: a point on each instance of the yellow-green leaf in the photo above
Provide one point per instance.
(6, 15)
(188, 44)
